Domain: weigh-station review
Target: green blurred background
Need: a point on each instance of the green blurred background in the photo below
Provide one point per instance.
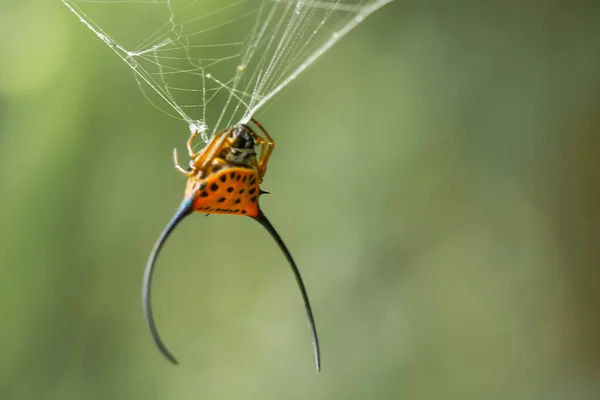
(436, 177)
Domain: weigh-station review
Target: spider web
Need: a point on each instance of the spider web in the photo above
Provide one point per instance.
(214, 63)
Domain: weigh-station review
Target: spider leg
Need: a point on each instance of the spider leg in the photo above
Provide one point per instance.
(190, 144)
(260, 165)
(177, 166)
(196, 157)
(266, 150)
(212, 150)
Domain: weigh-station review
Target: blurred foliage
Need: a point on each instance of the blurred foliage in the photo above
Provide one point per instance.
(436, 177)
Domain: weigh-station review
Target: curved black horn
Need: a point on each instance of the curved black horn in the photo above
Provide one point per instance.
(184, 210)
(262, 219)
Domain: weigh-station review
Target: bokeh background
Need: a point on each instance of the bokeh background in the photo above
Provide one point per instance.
(436, 177)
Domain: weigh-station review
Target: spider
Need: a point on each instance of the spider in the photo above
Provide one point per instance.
(225, 178)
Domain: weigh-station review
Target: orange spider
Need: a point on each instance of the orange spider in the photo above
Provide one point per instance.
(225, 178)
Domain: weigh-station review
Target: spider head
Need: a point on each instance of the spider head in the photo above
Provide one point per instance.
(241, 151)
(243, 138)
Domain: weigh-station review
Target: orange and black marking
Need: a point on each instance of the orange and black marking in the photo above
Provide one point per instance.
(225, 178)
(231, 190)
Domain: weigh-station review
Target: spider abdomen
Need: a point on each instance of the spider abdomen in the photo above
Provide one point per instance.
(231, 190)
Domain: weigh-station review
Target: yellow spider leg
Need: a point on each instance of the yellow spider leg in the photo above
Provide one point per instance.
(261, 166)
(177, 166)
(199, 157)
(190, 144)
(264, 158)
(191, 153)
(212, 150)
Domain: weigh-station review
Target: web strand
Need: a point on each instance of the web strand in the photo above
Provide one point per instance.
(216, 63)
